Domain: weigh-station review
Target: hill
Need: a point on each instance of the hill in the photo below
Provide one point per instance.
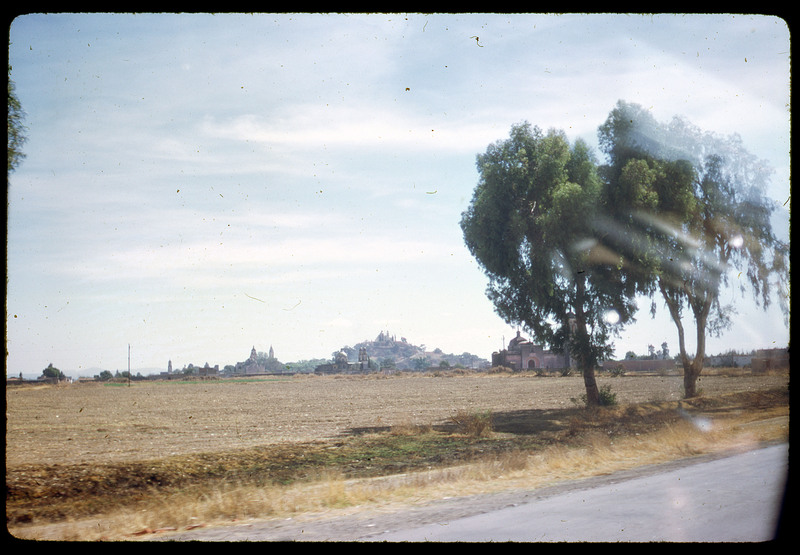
(387, 350)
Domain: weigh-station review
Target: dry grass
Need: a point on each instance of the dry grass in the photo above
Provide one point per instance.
(473, 424)
(594, 455)
(491, 452)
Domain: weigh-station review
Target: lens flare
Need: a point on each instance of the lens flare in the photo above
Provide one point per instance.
(611, 317)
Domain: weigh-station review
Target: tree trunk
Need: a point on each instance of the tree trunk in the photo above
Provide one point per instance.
(691, 367)
(586, 360)
(701, 308)
(590, 382)
(673, 304)
(690, 374)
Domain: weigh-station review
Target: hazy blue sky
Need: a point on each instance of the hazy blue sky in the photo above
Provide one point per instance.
(196, 185)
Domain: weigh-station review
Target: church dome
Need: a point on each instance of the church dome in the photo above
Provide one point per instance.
(518, 340)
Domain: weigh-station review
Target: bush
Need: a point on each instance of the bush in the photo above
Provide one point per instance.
(473, 424)
(617, 371)
(607, 398)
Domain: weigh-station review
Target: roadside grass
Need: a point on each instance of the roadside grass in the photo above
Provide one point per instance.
(404, 464)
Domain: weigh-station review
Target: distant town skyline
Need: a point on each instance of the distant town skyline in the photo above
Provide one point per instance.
(196, 184)
(169, 365)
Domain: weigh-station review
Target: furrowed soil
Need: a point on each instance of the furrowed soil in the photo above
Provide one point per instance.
(80, 451)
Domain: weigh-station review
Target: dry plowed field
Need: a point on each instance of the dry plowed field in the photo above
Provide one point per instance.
(97, 423)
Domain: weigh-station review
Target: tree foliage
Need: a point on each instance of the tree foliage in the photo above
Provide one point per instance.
(670, 214)
(52, 372)
(16, 129)
(687, 207)
(530, 226)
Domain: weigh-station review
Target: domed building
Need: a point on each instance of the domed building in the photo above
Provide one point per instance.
(521, 354)
(260, 363)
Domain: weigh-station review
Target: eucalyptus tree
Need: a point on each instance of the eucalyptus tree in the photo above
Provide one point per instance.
(16, 129)
(687, 209)
(529, 225)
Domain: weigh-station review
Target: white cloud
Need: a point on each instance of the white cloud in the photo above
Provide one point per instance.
(379, 128)
(239, 264)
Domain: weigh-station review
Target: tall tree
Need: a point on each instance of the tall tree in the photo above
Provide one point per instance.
(529, 227)
(53, 373)
(16, 129)
(698, 204)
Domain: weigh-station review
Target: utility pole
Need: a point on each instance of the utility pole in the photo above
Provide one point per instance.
(129, 364)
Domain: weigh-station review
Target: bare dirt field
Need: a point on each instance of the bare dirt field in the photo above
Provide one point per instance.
(82, 450)
(85, 423)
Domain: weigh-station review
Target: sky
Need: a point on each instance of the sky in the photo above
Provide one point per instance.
(197, 185)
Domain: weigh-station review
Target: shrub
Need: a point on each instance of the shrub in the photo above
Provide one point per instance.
(473, 424)
(607, 397)
(617, 371)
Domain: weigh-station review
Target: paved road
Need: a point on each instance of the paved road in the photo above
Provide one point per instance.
(727, 500)
(719, 499)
